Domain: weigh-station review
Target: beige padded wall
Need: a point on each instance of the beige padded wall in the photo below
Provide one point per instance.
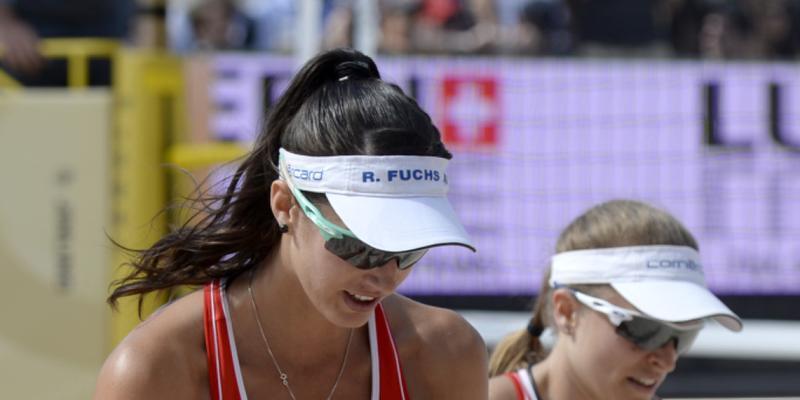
(54, 257)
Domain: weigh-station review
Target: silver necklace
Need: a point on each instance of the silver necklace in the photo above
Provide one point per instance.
(282, 375)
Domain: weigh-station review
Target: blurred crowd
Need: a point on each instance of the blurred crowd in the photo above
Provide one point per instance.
(716, 29)
(24, 22)
(723, 29)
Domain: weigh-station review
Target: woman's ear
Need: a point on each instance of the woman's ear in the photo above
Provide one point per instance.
(565, 310)
(281, 201)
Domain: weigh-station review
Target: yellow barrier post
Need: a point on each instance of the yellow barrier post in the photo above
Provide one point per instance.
(192, 156)
(52, 220)
(148, 121)
(7, 82)
(148, 89)
(77, 51)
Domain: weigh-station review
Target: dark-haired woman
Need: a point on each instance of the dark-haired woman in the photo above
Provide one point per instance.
(343, 193)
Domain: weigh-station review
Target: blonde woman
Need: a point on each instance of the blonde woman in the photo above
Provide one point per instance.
(625, 296)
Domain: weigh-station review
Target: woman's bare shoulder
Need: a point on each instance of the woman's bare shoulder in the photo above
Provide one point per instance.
(162, 358)
(501, 388)
(446, 354)
(427, 325)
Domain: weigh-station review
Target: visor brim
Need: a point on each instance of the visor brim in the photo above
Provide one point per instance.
(398, 224)
(677, 301)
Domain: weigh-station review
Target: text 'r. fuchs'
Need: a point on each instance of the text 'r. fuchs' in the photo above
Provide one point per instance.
(393, 175)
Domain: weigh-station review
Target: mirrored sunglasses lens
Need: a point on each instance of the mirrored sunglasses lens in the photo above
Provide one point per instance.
(358, 253)
(685, 340)
(645, 333)
(351, 250)
(650, 335)
(377, 258)
(408, 259)
(362, 256)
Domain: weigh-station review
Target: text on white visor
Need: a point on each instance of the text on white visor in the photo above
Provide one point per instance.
(378, 176)
(627, 264)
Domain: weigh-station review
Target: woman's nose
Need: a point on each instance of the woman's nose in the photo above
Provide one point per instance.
(388, 275)
(665, 357)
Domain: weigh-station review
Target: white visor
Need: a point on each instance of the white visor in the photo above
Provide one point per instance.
(392, 203)
(664, 282)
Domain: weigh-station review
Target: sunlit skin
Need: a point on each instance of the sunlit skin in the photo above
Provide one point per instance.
(590, 361)
(304, 298)
(326, 278)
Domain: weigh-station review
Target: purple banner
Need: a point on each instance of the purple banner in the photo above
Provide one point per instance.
(537, 142)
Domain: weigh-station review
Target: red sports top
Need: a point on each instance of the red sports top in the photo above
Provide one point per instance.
(523, 384)
(225, 376)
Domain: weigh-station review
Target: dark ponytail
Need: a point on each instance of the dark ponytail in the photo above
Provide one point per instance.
(325, 69)
(335, 105)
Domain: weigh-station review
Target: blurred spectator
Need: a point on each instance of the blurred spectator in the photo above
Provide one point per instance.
(619, 28)
(474, 26)
(397, 19)
(24, 22)
(276, 24)
(337, 20)
(512, 32)
(212, 25)
(750, 29)
(442, 26)
(220, 25)
(549, 23)
(687, 25)
(773, 28)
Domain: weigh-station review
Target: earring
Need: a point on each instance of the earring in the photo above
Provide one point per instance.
(283, 228)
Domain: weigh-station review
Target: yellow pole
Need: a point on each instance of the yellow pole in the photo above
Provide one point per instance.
(191, 156)
(78, 71)
(77, 51)
(7, 82)
(143, 81)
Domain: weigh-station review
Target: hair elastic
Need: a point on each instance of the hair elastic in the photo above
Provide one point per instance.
(352, 69)
(534, 330)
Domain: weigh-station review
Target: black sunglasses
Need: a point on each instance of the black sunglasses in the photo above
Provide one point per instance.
(647, 333)
(345, 245)
(362, 256)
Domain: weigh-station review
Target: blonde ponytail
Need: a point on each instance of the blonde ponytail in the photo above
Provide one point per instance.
(522, 348)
